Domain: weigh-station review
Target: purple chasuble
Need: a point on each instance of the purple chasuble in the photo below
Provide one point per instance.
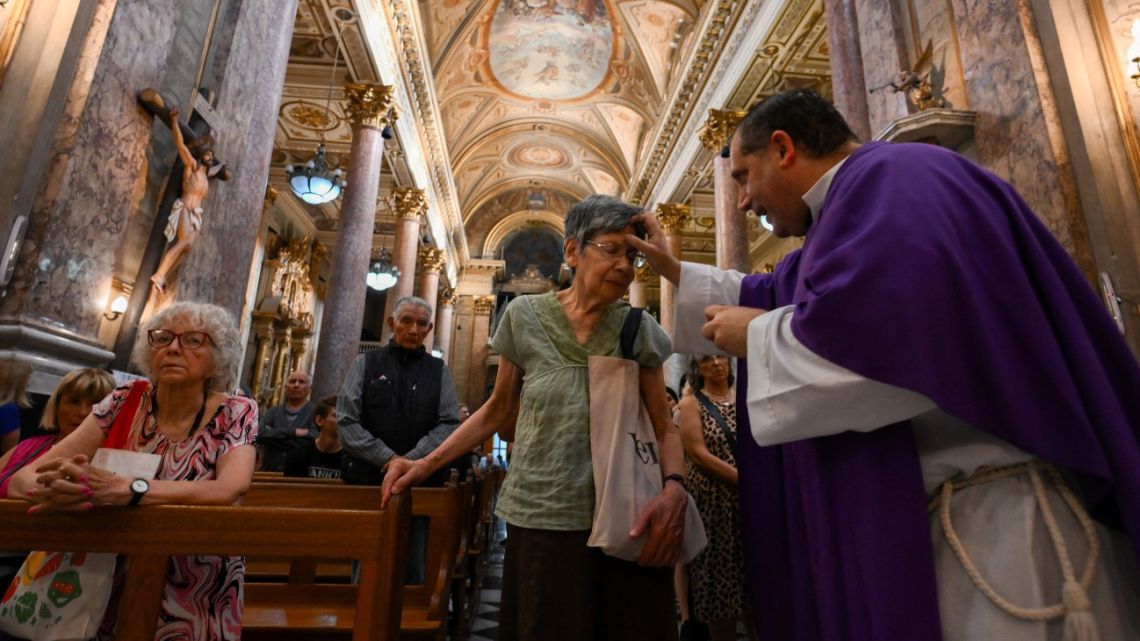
(926, 272)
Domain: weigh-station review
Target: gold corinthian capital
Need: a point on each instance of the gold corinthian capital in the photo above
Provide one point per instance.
(411, 203)
(431, 259)
(718, 127)
(448, 297)
(674, 217)
(484, 305)
(369, 105)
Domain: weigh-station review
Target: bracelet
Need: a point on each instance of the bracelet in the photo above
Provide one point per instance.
(675, 477)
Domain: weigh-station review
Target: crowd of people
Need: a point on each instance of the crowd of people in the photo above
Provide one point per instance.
(922, 425)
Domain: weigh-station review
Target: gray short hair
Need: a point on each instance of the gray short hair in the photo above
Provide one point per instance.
(599, 214)
(411, 300)
(215, 321)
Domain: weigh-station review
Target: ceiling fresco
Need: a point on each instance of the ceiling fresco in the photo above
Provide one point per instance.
(526, 106)
(550, 48)
(548, 94)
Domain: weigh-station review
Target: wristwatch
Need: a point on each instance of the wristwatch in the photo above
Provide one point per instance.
(139, 487)
(678, 478)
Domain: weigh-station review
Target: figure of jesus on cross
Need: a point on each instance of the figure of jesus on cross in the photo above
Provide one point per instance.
(185, 219)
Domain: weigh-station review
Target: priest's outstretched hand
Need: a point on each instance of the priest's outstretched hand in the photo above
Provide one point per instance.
(655, 247)
(727, 327)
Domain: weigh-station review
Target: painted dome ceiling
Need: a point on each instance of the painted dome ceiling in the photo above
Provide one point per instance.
(554, 95)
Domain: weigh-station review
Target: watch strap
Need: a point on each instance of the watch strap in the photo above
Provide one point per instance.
(136, 496)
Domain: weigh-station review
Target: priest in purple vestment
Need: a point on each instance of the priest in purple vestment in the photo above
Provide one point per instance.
(941, 431)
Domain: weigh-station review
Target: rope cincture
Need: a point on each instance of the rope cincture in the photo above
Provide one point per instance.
(1079, 623)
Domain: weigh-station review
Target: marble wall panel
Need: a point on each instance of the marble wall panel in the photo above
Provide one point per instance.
(1018, 133)
(93, 182)
(882, 42)
(217, 268)
(848, 89)
(932, 22)
(1122, 17)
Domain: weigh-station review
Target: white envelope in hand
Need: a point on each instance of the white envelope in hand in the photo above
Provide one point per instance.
(135, 465)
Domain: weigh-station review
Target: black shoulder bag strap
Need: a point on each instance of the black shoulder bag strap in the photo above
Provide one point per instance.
(714, 411)
(629, 331)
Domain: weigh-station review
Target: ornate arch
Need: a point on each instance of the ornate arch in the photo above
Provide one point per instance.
(517, 220)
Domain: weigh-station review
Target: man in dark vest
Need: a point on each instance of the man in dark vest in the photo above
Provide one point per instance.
(397, 401)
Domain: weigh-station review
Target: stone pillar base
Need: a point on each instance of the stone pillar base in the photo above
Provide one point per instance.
(52, 352)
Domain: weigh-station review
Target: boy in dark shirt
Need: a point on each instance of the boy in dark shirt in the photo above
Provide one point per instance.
(323, 457)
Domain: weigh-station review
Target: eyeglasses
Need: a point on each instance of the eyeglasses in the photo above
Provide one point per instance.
(188, 340)
(615, 251)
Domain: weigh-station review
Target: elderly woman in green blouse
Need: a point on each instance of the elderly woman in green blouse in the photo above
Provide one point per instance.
(554, 586)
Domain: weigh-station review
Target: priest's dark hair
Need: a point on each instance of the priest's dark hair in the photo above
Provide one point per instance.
(808, 118)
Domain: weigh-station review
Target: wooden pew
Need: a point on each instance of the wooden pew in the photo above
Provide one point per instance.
(148, 536)
(277, 477)
(424, 611)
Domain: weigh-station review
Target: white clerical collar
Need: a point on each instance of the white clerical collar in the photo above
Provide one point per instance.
(814, 196)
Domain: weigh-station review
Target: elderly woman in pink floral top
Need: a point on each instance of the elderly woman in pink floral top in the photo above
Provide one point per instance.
(204, 439)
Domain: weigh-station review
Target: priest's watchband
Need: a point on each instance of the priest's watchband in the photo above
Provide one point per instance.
(678, 478)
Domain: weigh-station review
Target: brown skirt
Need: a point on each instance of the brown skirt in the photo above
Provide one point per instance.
(557, 589)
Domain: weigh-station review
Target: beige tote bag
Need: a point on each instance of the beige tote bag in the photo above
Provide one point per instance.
(627, 467)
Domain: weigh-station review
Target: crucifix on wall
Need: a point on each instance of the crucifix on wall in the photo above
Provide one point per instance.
(196, 166)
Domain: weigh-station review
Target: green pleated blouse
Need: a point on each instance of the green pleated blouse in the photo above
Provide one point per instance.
(550, 483)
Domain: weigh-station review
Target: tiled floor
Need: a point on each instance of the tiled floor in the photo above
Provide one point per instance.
(485, 627)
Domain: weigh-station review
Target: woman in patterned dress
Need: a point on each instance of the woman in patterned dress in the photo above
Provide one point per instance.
(203, 436)
(716, 575)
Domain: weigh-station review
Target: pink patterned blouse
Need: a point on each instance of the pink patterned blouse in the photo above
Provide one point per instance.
(204, 594)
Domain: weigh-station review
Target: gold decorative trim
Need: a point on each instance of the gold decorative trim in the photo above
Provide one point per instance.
(369, 105)
(674, 217)
(411, 203)
(447, 297)
(270, 197)
(718, 127)
(484, 305)
(431, 259)
(1115, 74)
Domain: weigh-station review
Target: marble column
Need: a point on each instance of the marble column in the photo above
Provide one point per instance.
(731, 230)
(460, 361)
(637, 295)
(339, 341)
(849, 90)
(443, 317)
(411, 205)
(263, 331)
(282, 337)
(480, 339)
(431, 263)
(298, 349)
(673, 218)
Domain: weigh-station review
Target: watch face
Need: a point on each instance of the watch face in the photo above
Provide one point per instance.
(139, 486)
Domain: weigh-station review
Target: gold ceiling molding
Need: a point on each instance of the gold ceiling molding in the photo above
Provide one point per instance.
(718, 127)
(406, 36)
(369, 105)
(721, 19)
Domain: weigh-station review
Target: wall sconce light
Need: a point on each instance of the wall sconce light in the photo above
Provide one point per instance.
(118, 306)
(1134, 53)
